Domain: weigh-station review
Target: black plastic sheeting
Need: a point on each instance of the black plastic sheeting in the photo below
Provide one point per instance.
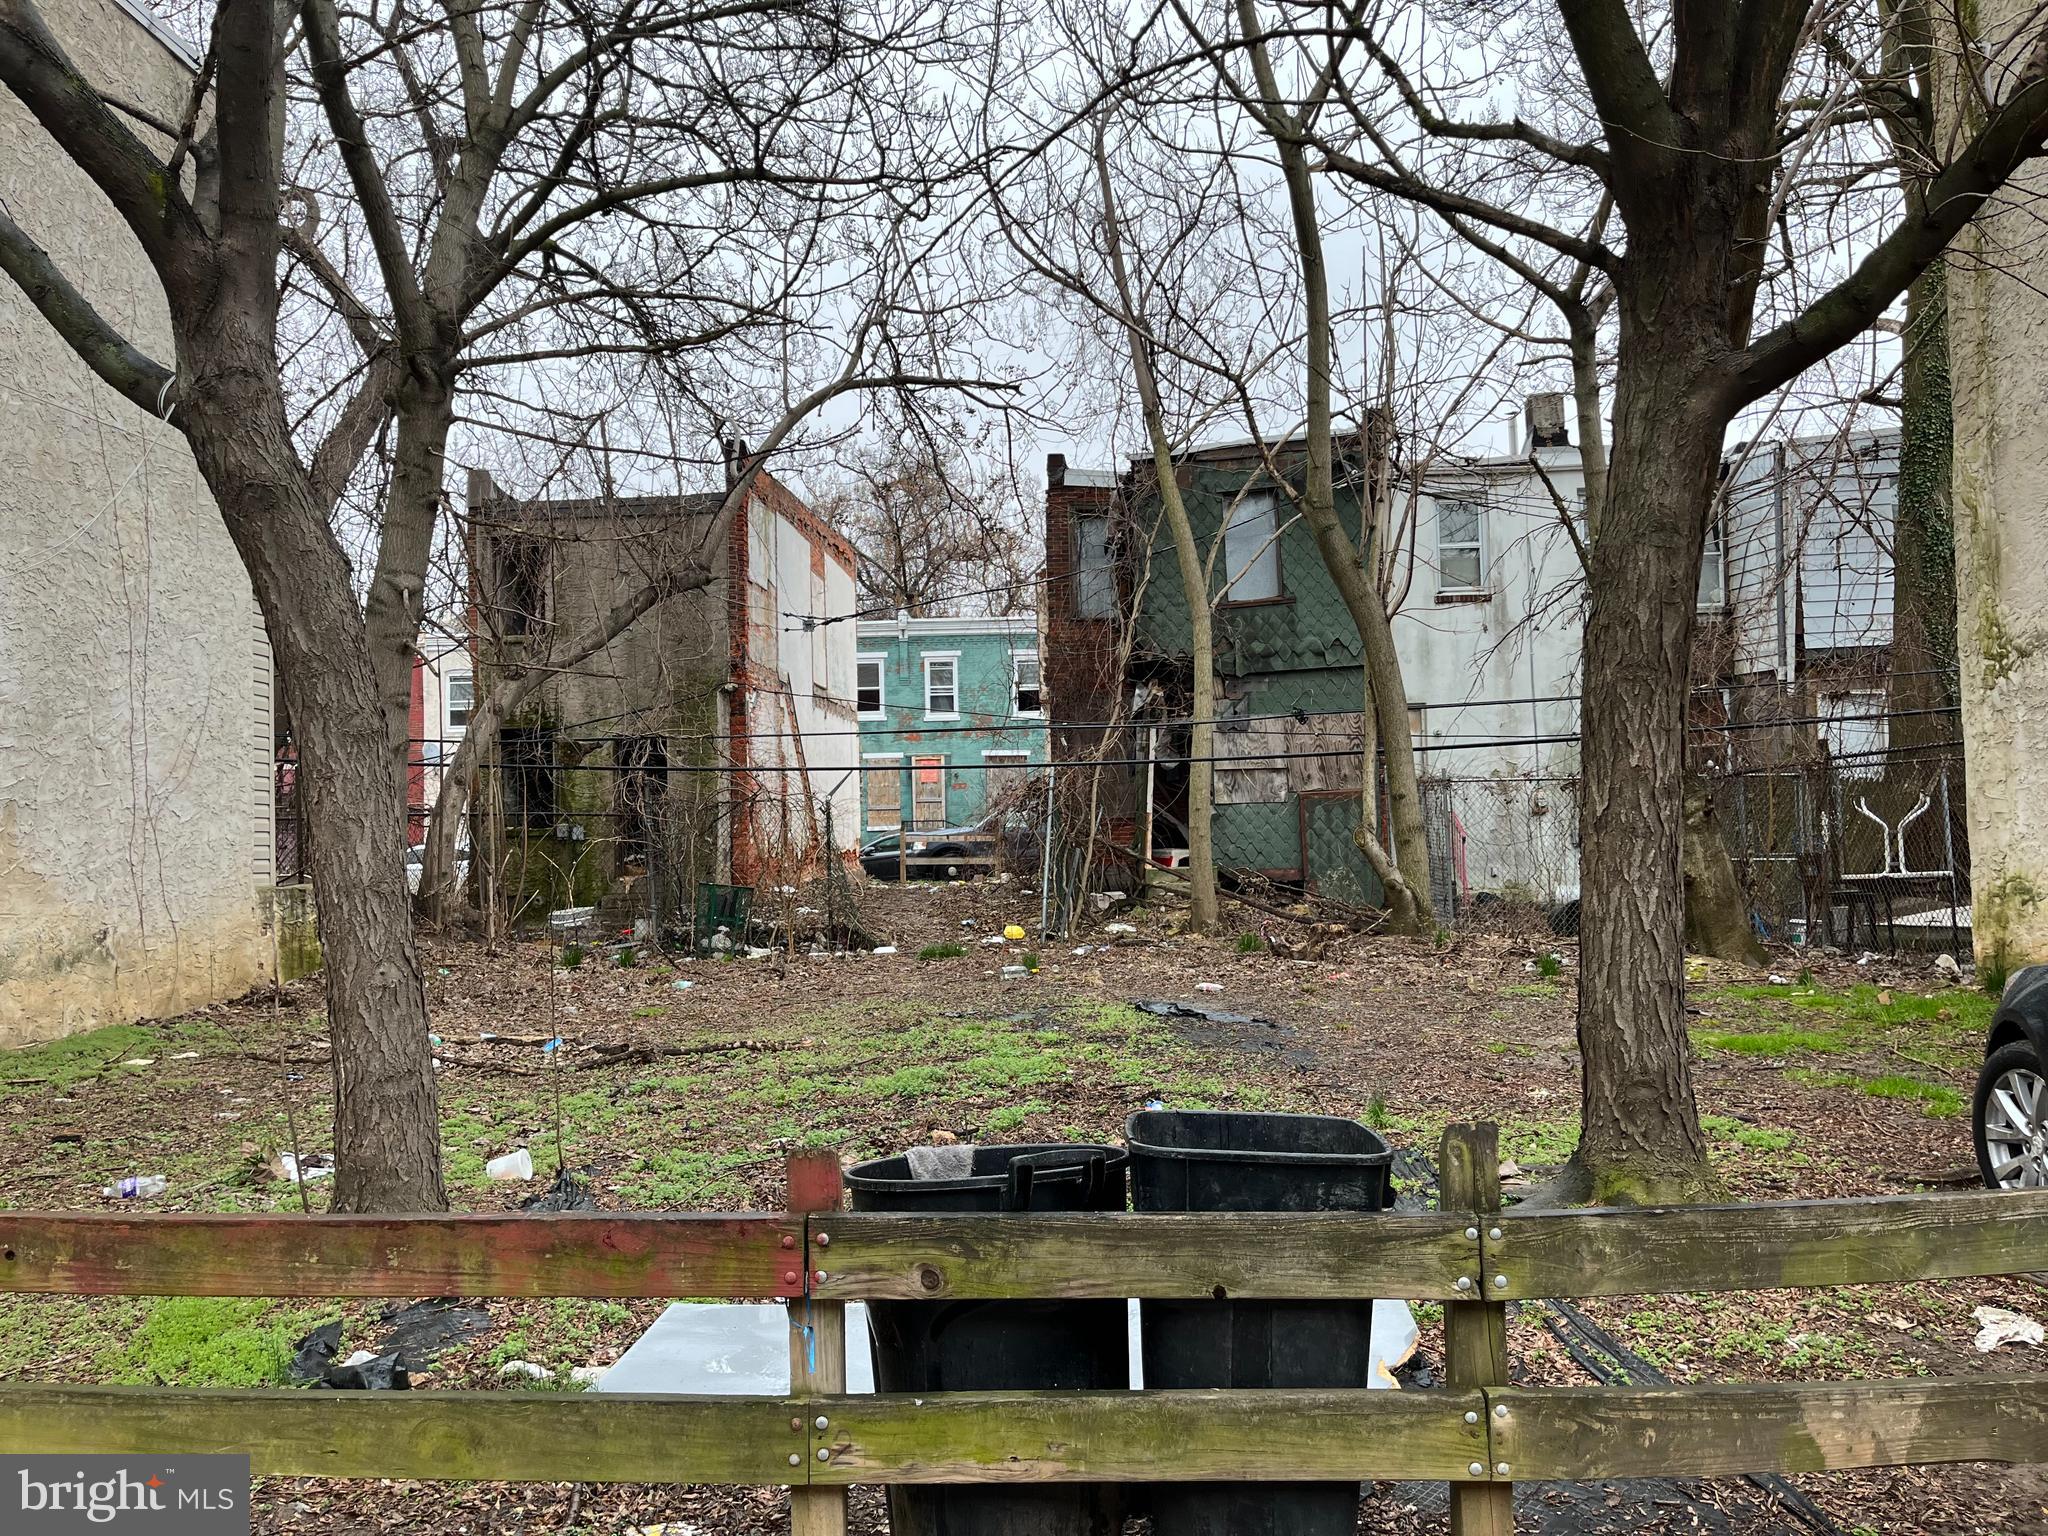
(410, 1337)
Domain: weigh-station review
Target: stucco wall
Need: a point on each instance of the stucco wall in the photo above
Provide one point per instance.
(1999, 342)
(134, 727)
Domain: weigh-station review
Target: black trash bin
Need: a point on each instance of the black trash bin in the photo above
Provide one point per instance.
(1197, 1160)
(957, 1346)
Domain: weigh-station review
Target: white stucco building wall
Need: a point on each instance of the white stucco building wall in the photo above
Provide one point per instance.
(1998, 337)
(135, 726)
(1489, 631)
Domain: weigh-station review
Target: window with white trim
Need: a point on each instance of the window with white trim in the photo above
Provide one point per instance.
(883, 777)
(460, 698)
(1714, 571)
(867, 687)
(1026, 697)
(1251, 549)
(942, 686)
(1460, 546)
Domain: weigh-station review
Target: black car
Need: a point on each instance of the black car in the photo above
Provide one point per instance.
(2010, 1111)
(940, 853)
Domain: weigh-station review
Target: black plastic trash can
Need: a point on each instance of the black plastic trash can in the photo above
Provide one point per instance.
(956, 1346)
(1197, 1160)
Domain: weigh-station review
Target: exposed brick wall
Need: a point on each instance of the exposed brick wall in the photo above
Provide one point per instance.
(1080, 660)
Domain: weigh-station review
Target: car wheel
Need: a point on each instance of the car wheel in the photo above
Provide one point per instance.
(2008, 1113)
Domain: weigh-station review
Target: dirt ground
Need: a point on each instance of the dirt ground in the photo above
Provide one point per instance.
(686, 1081)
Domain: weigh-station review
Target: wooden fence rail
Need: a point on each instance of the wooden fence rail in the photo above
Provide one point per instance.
(1478, 1434)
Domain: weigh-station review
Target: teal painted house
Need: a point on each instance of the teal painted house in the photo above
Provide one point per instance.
(952, 714)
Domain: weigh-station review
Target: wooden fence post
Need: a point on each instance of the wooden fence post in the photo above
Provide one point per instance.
(817, 1345)
(1475, 1332)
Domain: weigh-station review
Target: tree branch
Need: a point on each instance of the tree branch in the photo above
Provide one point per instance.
(2013, 134)
(1626, 91)
(139, 378)
(37, 70)
(373, 196)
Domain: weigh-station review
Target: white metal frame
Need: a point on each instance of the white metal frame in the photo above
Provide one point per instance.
(953, 659)
(881, 661)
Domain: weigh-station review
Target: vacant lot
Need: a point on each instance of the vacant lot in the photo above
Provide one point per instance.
(684, 1083)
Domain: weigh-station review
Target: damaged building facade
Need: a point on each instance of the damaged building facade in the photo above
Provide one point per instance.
(136, 860)
(1486, 593)
(1487, 634)
(712, 740)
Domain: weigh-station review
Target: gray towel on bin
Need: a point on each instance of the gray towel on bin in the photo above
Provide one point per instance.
(954, 1162)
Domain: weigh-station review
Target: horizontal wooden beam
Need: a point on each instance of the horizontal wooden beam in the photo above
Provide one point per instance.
(1594, 1433)
(1083, 1437)
(594, 1253)
(1793, 1243)
(480, 1436)
(928, 1258)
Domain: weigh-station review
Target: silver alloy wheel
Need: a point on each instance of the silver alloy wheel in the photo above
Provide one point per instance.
(2014, 1133)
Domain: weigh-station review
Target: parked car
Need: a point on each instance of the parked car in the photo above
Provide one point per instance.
(934, 854)
(2010, 1111)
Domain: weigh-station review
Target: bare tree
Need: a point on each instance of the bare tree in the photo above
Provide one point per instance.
(214, 242)
(939, 525)
(1710, 127)
(1287, 117)
(495, 190)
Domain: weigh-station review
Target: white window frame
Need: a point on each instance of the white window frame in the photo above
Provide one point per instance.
(1475, 544)
(1246, 582)
(873, 766)
(1017, 660)
(952, 657)
(449, 725)
(881, 661)
(1713, 593)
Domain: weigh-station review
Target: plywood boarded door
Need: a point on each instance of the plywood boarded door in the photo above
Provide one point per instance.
(927, 792)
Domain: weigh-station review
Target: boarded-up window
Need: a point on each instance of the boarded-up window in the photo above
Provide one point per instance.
(1260, 745)
(884, 774)
(1005, 774)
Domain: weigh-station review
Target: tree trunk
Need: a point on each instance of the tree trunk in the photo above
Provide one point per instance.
(1194, 574)
(1404, 876)
(386, 1110)
(1923, 540)
(394, 607)
(1194, 580)
(1640, 1137)
(1716, 914)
